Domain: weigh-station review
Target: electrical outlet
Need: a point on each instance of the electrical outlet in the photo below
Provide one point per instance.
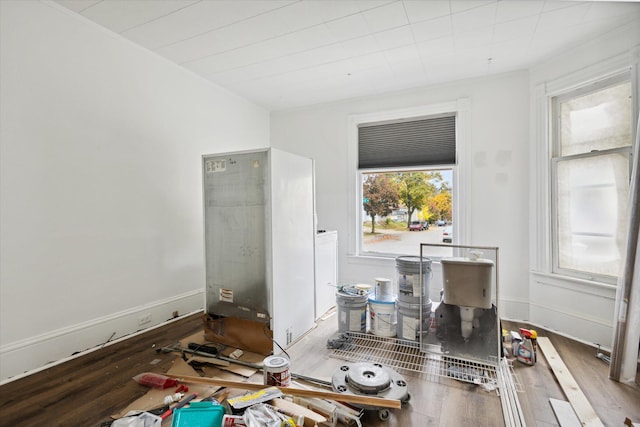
(289, 336)
(144, 319)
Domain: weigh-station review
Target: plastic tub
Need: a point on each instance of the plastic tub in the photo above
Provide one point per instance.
(382, 317)
(198, 414)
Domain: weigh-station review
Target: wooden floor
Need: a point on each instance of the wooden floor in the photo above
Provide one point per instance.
(87, 390)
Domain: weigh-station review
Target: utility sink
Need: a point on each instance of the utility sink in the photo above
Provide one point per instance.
(467, 281)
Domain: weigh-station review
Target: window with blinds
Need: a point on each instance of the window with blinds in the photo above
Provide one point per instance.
(406, 169)
(416, 142)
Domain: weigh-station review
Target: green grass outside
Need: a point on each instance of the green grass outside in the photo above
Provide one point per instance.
(383, 225)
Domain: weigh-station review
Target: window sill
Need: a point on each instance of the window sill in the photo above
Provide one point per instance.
(371, 260)
(575, 284)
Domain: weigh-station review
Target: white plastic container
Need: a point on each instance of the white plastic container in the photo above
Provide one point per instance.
(384, 289)
(382, 317)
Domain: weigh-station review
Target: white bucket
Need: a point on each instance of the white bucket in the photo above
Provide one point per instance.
(352, 312)
(409, 320)
(384, 289)
(382, 317)
(413, 287)
(276, 371)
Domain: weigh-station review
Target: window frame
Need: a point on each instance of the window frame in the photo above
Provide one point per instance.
(461, 108)
(555, 157)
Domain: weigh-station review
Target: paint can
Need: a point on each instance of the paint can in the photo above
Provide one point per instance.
(276, 371)
(413, 287)
(382, 317)
(352, 310)
(384, 289)
(409, 320)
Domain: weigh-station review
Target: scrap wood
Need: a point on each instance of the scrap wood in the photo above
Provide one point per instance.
(214, 372)
(341, 397)
(583, 409)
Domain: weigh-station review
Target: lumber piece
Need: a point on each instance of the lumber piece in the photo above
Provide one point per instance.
(290, 391)
(583, 409)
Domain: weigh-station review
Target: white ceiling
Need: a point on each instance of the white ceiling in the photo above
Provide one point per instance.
(289, 53)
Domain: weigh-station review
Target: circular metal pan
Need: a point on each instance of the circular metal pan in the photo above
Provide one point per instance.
(370, 379)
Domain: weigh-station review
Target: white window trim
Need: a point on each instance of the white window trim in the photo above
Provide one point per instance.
(540, 249)
(460, 173)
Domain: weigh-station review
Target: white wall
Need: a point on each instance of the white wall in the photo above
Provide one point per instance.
(498, 172)
(101, 143)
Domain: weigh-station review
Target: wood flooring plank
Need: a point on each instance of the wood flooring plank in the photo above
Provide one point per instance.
(85, 391)
(565, 414)
(574, 394)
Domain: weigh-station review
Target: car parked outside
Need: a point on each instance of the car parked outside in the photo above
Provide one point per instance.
(416, 226)
(425, 225)
(441, 222)
(447, 235)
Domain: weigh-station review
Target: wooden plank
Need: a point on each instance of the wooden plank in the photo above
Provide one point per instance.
(340, 397)
(583, 409)
(564, 413)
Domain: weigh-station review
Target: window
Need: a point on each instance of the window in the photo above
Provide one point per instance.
(405, 207)
(394, 149)
(591, 165)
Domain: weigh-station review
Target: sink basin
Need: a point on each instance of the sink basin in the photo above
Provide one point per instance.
(467, 282)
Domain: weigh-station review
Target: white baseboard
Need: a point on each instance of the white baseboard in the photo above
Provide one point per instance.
(557, 332)
(21, 358)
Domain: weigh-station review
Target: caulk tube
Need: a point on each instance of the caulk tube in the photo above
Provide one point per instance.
(321, 406)
(346, 414)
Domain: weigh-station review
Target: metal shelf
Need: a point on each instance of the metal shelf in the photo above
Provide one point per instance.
(407, 357)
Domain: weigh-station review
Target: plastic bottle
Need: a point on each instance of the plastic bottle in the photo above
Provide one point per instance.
(525, 351)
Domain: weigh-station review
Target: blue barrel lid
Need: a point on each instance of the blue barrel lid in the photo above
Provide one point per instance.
(375, 301)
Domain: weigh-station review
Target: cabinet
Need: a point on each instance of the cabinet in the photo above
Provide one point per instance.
(259, 239)
(326, 271)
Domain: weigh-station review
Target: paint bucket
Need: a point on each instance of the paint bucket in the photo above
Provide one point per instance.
(384, 289)
(409, 320)
(382, 317)
(352, 310)
(276, 371)
(411, 289)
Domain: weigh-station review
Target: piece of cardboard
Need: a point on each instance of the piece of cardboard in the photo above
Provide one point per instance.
(247, 356)
(154, 398)
(239, 333)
